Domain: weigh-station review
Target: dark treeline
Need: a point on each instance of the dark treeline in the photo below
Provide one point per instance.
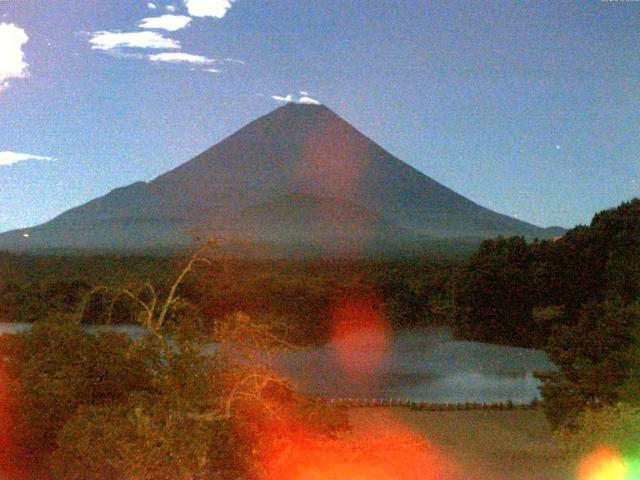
(515, 293)
(35, 286)
(577, 297)
(298, 295)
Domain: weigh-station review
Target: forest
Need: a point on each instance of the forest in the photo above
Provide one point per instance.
(297, 294)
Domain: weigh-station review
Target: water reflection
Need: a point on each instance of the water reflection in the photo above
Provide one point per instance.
(425, 366)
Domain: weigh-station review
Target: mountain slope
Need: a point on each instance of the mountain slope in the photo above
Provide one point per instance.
(302, 150)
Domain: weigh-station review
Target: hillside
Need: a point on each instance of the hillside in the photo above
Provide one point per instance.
(298, 173)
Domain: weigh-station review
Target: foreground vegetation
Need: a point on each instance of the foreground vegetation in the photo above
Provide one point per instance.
(79, 405)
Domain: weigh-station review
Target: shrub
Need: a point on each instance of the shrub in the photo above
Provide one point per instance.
(595, 358)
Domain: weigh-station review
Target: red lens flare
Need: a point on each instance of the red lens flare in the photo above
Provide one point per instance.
(379, 455)
(603, 463)
(9, 450)
(360, 337)
(5, 421)
(333, 160)
(290, 442)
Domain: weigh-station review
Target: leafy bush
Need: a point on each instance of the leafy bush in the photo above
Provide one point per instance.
(595, 358)
(57, 367)
(615, 426)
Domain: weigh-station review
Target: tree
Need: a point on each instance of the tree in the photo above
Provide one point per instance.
(174, 431)
(595, 357)
(591, 263)
(57, 367)
(492, 293)
(496, 288)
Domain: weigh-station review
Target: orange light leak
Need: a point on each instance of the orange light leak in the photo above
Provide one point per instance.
(383, 456)
(332, 161)
(7, 447)
(361, 337)
(4, 409)
(603, 464)
(289, 448)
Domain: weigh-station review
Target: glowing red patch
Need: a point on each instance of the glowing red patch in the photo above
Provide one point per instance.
(382, 457)
(7, 453)
(360, 337)
(333, 160)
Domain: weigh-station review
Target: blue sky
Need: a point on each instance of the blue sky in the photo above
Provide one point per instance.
(529, 108)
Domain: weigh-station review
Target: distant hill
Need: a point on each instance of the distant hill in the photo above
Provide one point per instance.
(300, 174)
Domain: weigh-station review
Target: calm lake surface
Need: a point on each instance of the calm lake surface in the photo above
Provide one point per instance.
(419, 365)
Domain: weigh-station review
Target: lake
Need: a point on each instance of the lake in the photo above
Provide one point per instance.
(428, 366)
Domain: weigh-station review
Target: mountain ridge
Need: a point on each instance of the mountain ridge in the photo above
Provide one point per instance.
(303, 150)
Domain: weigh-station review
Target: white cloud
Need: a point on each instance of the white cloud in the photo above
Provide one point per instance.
(12, 63)
(288, 98)
(208, 8)
(179, 57)
(304, 94)
(308, 101)
(112, 40)
(233, 60)
(9, 158)
(166, 22)
(152, 6)
(170, 8)
(212, 70)
(120, 54)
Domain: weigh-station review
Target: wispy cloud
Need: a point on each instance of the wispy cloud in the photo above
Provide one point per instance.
(166, 22)
(9, 158)
(278, 98)
(208, 8)
(132, 44)
(233, 60)
(305, 99)
(308, 101)
(114, 40)
(129, 55)
(180, 57)
(12, 61)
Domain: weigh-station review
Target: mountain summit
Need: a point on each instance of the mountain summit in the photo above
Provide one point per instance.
(300, 174)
